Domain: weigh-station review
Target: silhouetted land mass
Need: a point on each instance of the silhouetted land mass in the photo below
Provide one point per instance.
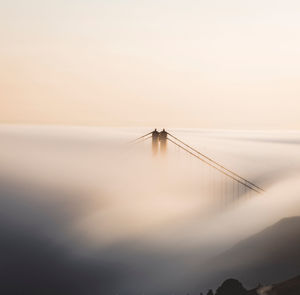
(36, 257)
(234, 287)
(269, 256)
(289, 287)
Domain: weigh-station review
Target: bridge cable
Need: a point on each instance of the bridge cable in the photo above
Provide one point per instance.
(211, 165)
(133, 141)
(141, 140)
(216, 163)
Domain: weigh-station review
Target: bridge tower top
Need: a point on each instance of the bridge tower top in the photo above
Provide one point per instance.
(155, 141)
(163, 135)
(159, 141)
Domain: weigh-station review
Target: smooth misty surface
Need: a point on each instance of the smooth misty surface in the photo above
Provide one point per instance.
(81, 216)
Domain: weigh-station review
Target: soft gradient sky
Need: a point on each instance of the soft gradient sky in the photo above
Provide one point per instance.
(210, 64)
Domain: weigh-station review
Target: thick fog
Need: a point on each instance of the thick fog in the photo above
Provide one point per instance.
(85, 212)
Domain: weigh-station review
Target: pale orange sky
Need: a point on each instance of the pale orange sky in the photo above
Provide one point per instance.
(210, 64)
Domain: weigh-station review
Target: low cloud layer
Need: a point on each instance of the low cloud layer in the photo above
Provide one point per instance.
(80, 216)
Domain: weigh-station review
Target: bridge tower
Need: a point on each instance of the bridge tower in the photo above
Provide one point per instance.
(163, 141)
(155, 141)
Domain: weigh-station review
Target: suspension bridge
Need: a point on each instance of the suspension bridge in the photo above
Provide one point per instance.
(224, 182)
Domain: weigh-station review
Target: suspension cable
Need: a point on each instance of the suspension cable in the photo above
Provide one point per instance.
(133, 141)
(216, 163)
(141, 140)
(211, 165)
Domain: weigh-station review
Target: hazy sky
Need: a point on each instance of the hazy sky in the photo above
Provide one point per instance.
(210, 64)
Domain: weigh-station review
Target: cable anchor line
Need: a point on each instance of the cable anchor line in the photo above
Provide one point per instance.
(141, 137)
(218, 169)
(216, 163)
